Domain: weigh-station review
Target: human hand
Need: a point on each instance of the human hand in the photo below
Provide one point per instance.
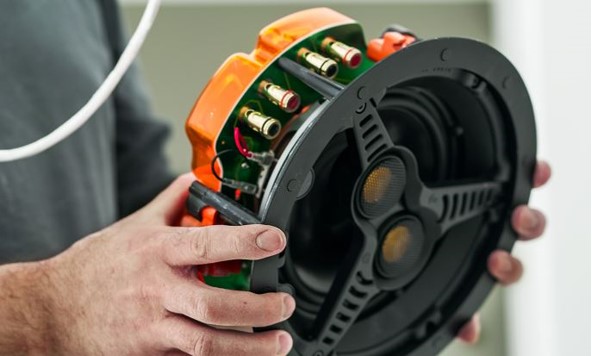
(130, 288)
(529, 224)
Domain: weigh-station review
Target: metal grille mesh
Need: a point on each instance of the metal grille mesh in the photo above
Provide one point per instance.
(382, 187)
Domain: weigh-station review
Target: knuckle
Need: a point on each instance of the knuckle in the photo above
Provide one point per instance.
(205, 310)
(203, 345)
(200, 244)
(236, 245)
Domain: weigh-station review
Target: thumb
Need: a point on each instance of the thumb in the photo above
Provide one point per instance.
(169, 205)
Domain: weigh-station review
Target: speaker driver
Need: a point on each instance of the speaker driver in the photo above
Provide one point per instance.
(396, 243)
(382, 187)
(400, 247)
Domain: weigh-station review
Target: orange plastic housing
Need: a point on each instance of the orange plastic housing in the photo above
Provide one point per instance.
(234, 77)
(390, 43)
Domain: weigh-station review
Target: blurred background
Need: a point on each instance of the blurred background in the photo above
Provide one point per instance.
(548, 313)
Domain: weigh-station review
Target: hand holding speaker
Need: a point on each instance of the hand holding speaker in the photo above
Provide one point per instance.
(529, 224)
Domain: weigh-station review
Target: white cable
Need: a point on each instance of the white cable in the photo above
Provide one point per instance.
(98, 98)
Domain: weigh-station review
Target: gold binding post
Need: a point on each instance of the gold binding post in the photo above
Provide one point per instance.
(287, 100)
(349, 56)
(267, 126)
(320, 64)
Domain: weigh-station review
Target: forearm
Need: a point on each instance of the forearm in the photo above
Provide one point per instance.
(24, 310)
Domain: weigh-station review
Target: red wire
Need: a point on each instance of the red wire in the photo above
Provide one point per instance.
(241, 144)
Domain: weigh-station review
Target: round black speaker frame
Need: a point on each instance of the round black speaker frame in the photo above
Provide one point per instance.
(488, 73)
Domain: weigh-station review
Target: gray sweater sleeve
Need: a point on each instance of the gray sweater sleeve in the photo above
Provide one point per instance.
(53, 56)
(142, 170)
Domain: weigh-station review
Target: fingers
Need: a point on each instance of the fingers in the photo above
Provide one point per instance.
(201, 340)
(542, 173)
(204, 245)
(471, 331)
(223, 307)
(528, 223)
(504, 267)
(169, 205)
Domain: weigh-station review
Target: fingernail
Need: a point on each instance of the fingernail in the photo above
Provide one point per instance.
(284, 344)
(288, 307)
(530, 219)
(505, 263)
(270, 240)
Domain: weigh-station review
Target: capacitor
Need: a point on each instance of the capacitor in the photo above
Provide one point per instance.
(348, 55)
(319, 63)
(267, 126)
(286, 99)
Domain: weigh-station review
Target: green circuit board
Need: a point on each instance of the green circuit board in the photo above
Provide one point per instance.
(237, 167)
(233, 165)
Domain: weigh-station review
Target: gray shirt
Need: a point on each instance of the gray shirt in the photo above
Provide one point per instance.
(53, 56)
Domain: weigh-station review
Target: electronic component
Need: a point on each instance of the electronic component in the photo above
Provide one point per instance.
(286, 99)
(246, 187)
(267, 126)
(263, 158)
(320, 64)
(349, 56)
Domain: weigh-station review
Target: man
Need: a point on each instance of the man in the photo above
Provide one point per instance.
(126, 289)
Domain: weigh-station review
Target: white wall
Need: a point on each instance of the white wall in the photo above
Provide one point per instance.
(300, 2)
(548, 313)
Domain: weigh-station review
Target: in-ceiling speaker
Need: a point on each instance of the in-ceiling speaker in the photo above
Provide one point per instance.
(392, 166)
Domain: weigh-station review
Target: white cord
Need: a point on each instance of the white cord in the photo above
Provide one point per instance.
(99, 97)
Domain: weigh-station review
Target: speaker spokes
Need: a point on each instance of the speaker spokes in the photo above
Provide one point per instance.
(448, 205)
(352, 289)
(455, 204)
(371, 136)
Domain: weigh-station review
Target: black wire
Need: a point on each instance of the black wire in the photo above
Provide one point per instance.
(213, 163)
